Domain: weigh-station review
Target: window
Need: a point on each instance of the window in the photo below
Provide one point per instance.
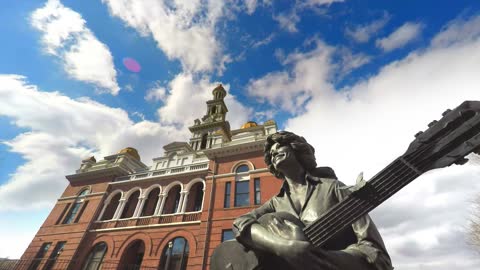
(150, 203)
(130, 205)
(132, 256)
(227, 235)
(242, 194)
(242, 168)
(112, 207)
(38, 258)
(172, 201)
(81, 212)
(76, 207)
(242, 187)
(175, 255)
(226, 203)
(95, 257)
(197, 206)
(256, 183)
(63, 213)
(52, 259)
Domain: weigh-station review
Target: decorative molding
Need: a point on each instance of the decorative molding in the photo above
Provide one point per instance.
(147, 226)
(76, 196)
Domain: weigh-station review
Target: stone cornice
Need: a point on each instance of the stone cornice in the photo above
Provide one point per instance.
(234, 149)
(113, 172)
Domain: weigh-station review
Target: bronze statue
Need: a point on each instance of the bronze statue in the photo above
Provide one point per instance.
(316, 222)
(307, 192)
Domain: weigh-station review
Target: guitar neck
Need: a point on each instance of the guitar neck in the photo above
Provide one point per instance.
(382, 186)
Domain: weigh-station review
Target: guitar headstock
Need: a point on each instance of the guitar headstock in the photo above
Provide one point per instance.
(448, 140)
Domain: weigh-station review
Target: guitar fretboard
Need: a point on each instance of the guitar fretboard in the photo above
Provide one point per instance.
(381, 187)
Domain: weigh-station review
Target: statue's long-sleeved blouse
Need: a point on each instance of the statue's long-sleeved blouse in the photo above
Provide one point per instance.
(361, 239)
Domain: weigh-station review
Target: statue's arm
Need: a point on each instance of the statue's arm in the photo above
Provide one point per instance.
(248, 231)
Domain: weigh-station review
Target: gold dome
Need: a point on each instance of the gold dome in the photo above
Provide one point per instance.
(249, 124)
(131, 151)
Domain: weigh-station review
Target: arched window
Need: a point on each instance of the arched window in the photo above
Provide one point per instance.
(242, 168)
(79, 201)
(150, 203)
(132, 257)
(95, 257)
(173, 199)
(130, 205)
(195, 198)
(112, 207)
(175, 255)
(242, 186)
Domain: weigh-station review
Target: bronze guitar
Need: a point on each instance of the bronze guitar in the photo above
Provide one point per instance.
(446, 142)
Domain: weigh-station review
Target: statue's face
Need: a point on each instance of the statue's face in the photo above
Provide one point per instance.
(281, 156)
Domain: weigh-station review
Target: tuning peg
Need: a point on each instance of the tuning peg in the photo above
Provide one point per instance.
(418, 134)
(445, 112)
(461, 161)
(432, 123)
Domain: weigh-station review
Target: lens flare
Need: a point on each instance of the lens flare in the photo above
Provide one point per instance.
(131, 64)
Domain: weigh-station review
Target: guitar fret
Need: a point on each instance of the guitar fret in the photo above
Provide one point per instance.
(364, 206)
(384, 188)
(333, 211)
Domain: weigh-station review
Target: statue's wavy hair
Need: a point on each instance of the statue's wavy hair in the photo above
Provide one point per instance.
(304, 152)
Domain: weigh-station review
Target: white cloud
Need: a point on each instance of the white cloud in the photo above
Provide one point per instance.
(186, 99)
(400, 37)
(308, 74)
(367, 125)
(251, 6)
(288, 20)
(459, 30)
(156, 93)
(363, 33)
(264, 41)
(313, 3)
(84, 57)
(183, 30)
(62, 132)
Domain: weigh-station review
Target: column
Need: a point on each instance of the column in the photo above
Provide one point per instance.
(119, 210)
(138, 209)
(185, 201)
(103, 210)
(160, 202)
(180, 203)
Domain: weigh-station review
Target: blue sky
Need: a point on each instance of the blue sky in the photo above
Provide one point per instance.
(356, 78)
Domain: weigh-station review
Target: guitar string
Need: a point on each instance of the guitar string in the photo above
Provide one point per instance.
(379, 176)
(389, 191)
(376, 180)
(363, 205)
(396, 186)
(351, 201)
(332, 228)
(354, 205)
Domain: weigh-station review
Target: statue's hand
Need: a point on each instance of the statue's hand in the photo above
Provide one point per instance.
(303, 255)
(286, 229)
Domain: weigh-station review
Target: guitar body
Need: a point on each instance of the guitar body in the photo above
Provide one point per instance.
(232, 255)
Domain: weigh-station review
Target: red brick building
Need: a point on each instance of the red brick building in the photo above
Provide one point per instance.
(119, 213)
